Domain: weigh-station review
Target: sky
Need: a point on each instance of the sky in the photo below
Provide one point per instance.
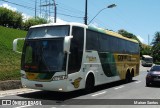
(140, 17)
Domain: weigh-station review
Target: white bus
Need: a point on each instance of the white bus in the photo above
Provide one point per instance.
(73, 56)
(147, 60)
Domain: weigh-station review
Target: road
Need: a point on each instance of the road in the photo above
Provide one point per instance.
(113, 91)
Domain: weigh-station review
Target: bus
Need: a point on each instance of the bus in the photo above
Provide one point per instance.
(72, 56)
(147, 60)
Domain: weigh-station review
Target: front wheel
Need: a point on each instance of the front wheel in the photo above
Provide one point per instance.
(89, 83)
(148, 84)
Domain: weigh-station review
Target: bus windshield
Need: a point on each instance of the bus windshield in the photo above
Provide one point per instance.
(148, 59)
(48, 32)
(43, 55)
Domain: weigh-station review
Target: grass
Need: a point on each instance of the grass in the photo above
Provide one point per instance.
(9, 60)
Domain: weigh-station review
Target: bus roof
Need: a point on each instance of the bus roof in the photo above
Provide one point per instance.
(146, 56)
(101, 30)
(65, 23)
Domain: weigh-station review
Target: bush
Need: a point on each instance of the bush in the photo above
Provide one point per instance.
(9, 18)
(158, 63)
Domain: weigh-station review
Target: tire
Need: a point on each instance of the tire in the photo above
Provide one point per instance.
(89, 84)
(128, 77)
(148, 84)
(131, 78)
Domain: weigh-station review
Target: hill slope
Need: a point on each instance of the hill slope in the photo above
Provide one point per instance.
(9, 60)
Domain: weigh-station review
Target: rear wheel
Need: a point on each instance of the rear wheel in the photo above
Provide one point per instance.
(89, 83)
(128, 77)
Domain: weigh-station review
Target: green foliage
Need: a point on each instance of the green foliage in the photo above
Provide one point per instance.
(158, 63)
(12, 19)
(156, 39)
(9, 18)
(156, 47)
(32, 21)
(9, 60)
(146, 50)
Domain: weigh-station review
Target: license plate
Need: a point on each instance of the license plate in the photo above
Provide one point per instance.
(38, 85)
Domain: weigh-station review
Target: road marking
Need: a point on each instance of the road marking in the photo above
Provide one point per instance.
(99, 93)
(118, 87)
(18, 92)
(10, 94)
(23, 106)
(138, 82)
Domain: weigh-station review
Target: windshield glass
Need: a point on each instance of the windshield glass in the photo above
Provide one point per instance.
(155, 68)
(48, 31)
(148, 59)
(43, 55)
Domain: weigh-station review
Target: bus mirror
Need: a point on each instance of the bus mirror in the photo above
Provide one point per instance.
(15, 41)
(67, 42)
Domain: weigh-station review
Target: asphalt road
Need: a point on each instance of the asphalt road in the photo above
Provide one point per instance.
(134, 95)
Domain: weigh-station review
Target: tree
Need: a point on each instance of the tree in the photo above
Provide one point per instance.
(16, 20)
(32, 21)
(4, 16)
(145, 50)
(9, 18)
(156, 47)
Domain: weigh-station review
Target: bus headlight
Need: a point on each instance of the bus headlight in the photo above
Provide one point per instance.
(62, 77)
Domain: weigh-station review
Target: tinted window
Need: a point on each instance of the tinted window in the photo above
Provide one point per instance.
(104, 43)
(76, 49)
(113, 44)
(43, 55)
(50, 31)
(92, 42)
(155, 68)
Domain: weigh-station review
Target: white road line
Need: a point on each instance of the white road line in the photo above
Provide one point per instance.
(138, 82)
(99, 93)
(17, 93)
(118, 87)
(23, 106)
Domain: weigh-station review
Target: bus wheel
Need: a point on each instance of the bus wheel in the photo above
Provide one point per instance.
(89, 83)
(148, 84)
(128, 77)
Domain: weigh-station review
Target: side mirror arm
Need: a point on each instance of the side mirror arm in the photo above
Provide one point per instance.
(15, 41)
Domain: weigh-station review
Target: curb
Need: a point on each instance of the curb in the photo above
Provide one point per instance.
(10, 84)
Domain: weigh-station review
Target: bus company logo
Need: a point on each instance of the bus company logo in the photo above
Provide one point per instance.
(6, 102)
(76, 82)
(91, 58)
(124, 58)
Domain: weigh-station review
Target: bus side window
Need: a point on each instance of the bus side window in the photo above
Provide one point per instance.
(92, 41)
(76, 49)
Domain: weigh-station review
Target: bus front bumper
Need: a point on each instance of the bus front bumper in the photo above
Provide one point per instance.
(60, 86)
